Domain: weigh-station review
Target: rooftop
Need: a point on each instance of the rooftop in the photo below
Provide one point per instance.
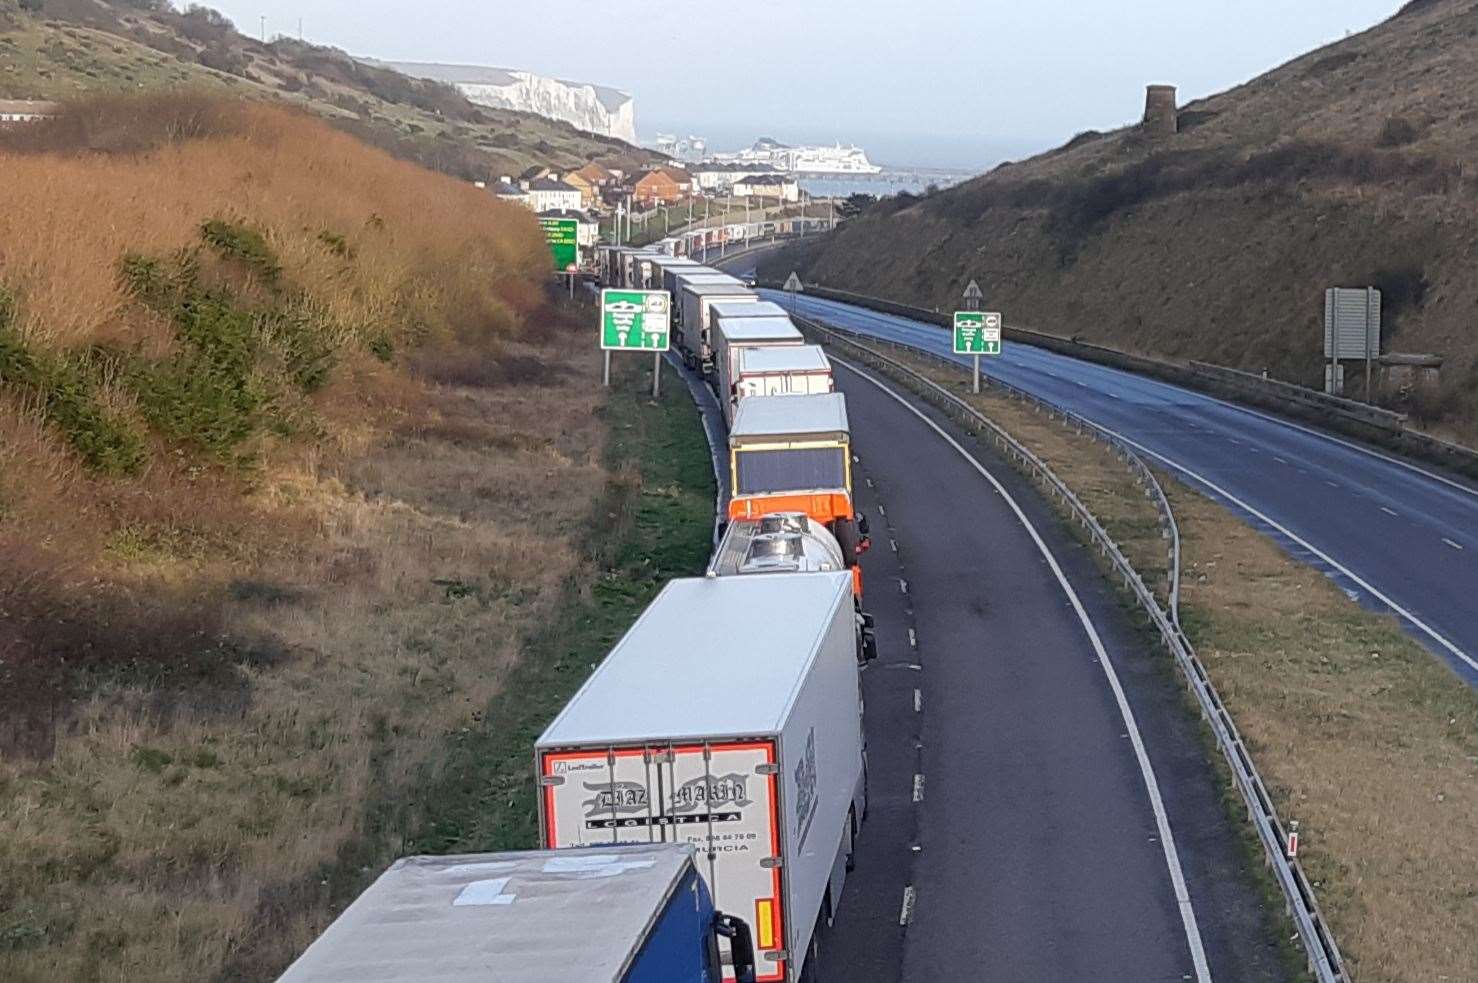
(549, 184)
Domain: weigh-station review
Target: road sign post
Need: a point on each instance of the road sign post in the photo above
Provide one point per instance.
(977, 333)
(792, 287)
(636, 320)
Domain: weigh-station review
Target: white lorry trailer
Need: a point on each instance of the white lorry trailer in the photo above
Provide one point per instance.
(632, 914)
(654, 266)
(693, 315)
(728, 717)
(765, 308)
(783, 370)
(730, 337)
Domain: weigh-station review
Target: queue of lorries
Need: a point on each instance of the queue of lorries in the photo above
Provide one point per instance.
(700, 796)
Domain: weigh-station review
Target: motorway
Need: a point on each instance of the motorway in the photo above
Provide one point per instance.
(1012, 834)
(1394, 535)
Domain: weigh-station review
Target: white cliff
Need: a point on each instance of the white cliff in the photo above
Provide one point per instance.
(592, 108)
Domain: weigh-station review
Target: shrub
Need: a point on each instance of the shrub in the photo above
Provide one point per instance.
(1398, 131)
(67, 398)
(245, 245)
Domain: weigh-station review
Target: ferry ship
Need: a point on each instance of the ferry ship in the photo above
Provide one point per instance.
(804, 160)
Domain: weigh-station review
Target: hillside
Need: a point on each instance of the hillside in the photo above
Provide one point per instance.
(1347, 166)
(56, 49)
(295, 452)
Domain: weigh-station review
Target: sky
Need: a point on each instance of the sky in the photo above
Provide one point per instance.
(942, 83)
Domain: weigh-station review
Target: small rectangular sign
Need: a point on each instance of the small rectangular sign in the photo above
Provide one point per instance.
(635, 320)
(977, 333)
(563, 236)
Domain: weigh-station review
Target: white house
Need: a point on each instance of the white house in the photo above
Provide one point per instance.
(779, 186)
(550, 194)
(720, 178)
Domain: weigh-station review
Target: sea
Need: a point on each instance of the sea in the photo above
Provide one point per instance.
(889, 182)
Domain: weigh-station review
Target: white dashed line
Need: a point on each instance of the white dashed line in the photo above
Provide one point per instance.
(1331, 484)
(882, 511)
(1389, 511)
(902, 585)
(1279, 459)
(905, 914)
(918, 788)
(918, 701)
(893, 545)
(913, 638)
(1456, 546)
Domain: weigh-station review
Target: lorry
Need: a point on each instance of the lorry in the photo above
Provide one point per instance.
(652, 268)
(627, 914)
(732, 336)
(790, 370)
(794, 454)
(691, 309)
(783, 542)
(730, 717)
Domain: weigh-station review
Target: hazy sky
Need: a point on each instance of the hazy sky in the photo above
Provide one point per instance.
(944, 82)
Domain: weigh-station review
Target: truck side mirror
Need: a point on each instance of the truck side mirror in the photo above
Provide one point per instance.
(741, 945)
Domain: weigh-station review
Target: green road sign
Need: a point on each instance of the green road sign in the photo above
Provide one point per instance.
(977, 333)
(562, 234)
(635, 320)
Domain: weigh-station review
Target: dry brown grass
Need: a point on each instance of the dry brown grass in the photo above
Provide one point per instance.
(429, 253)
(1362, 735)
(209, 674)
(1217, 244)
(150, 843)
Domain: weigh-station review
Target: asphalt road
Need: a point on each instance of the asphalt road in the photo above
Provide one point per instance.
(1395, 536)
(1010, 822)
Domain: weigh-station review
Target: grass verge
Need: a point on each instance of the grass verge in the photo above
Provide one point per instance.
(653, 523)
(1361, 734)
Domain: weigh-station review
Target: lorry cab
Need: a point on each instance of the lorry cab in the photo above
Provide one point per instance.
(619, 914)
(794, 454)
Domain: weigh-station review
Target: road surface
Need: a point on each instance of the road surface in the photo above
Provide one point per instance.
(1394, 535)
(1011, 824)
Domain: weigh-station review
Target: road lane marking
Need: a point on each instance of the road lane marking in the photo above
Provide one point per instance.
(1389, 511)
(1331, 484)
(918, 788)
(913, 638)
(1146, 769)
(1279, 459)
(902, 586)
(918, 701)
(893, 544)
(1456, 546)
(905, 914)
(1258, 514)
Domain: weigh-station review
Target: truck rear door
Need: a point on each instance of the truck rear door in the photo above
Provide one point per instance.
(721, 797)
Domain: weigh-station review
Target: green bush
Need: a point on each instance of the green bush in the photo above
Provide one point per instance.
(245, 245)
(65, 390)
